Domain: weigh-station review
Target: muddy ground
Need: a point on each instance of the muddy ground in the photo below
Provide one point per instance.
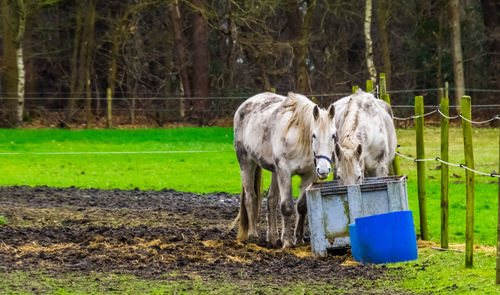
(149, 234)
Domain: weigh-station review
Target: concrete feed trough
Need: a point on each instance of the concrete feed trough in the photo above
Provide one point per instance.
(331, 208)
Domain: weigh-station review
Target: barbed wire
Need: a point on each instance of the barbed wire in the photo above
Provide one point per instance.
(449, 164)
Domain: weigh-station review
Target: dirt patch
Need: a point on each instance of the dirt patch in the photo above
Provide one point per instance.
(149, 234)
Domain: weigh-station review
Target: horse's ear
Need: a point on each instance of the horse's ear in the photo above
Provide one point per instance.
(359, 150)
(331, 111)
(316, 112)
(338, 150)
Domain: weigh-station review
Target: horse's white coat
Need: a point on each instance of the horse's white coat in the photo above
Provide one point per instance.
(283, 135)
(366, 137)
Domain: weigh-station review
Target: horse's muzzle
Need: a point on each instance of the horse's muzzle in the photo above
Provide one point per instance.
(323, 174)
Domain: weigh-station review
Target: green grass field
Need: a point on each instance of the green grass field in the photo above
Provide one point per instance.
(203, 160)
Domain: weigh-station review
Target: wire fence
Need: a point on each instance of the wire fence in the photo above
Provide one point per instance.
(225, 106)
(495, 117)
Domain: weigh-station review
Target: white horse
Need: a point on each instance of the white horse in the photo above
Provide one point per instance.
(287, 136)
(366, 137)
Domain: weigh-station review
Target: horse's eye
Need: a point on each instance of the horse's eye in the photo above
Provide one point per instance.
(314, 136)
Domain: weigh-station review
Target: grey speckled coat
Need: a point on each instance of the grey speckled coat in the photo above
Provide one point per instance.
(287, 135)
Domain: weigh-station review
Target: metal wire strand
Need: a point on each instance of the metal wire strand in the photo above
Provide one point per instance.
(496, 117)
(449, 118)
(450, 164)
(415, 117)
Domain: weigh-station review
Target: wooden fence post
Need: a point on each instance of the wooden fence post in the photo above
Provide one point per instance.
(445, 123)
(498, 226)
(469, 181)
(419, 126)
(383, 87)
(109, 121)
(446, 90)
(369, 86)
(385, 97)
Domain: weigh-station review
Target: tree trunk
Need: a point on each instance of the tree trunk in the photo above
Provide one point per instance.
(81, 60)
(89, 37)
(439, 49)
(384, 12)
(456, 48)
(185, 85)
(201, 61)
(117, 36)
(369, 43)
(21, 80)
(491, 17)
(74, 92)
(299, 24)
(13, 27)
(20, 84)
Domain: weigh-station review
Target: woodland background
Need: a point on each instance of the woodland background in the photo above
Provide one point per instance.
(167, 61)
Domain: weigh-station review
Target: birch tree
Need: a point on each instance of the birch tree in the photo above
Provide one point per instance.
(13, 28)
(369, 43)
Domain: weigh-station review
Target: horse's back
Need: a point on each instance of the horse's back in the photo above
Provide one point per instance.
(371, 120)
(256, 123)
(258, 105)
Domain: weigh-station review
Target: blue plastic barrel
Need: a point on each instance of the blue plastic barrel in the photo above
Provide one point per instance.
(353, 236)
(388, 237)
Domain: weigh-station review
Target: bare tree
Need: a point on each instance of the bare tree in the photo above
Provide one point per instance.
(384, 13)
(175, 18)
(201, 61)
(14, 26)
(299, 16)
(82, 58)
(491, 17)
(118, 34)
(458, 64)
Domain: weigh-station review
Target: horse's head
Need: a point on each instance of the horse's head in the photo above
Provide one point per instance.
(323, 139)
(349, 164)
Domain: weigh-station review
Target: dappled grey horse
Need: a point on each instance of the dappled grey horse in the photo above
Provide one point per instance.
(287, 136)
(366, 137)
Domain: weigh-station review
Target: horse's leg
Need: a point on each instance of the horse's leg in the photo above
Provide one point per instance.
(249, 201)
(382, 170)
(272, 204)
(305, 181)
(287, 208)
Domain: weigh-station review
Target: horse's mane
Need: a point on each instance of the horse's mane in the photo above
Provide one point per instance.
(351, 121)
(302, 111)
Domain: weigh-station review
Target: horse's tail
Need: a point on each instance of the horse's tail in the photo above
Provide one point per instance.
(242, 218)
